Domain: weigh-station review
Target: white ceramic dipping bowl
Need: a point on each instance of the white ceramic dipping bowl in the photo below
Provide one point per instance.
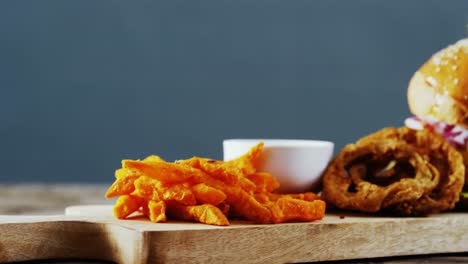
(296, 164)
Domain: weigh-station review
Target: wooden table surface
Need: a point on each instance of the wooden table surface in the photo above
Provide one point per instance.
(47, 199)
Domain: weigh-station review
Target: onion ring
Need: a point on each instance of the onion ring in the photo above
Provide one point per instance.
(400, 170)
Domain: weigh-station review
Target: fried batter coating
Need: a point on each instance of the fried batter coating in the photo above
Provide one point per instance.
(404, 171)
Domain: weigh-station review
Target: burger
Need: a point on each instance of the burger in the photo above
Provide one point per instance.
(438, 98)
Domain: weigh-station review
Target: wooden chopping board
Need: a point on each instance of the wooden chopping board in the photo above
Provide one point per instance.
(92, 232)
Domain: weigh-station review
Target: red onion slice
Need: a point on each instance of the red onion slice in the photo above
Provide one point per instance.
(455, 135)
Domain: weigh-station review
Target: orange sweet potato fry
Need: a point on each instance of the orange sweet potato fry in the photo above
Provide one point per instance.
(180, 193)
(224, 207)
(263, 198)
(162, 171)
(219, 170)
(121, 186)
(152, 159)
(264, 182)
(153, 189)
(157, 211)
(205, 213)
(307, 196)
(144, 208)
(249, 162)
(125, 205)
(241, 203)
(147, 188)
(208, 195)
(287, 209)
(221, 189)
(123, 172)
(246, 206)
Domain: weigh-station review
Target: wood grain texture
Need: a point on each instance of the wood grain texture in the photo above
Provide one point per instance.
(91, 232)
(41, 198)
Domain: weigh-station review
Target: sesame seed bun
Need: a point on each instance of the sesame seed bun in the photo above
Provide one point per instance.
(439, 89)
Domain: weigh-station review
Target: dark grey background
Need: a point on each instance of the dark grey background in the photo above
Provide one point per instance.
(85, 84)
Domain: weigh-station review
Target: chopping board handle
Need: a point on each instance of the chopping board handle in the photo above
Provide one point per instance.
(61, 237)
